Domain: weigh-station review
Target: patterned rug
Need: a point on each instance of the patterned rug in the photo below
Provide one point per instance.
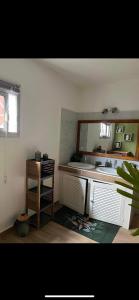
(96, 230)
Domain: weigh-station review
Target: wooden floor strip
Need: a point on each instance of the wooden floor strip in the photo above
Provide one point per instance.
(56, 233)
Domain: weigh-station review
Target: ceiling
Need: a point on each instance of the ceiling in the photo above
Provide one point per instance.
(87, 72)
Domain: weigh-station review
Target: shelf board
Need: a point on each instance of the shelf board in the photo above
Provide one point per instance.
(44, 190)
(41, 177)
(46, 177)
(44, 219)
(44, 203)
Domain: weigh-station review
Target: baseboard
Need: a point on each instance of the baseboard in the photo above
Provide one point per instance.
(30, 214)
(6, 228)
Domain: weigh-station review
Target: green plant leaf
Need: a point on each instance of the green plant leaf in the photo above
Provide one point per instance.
(125, 185)
(134, 205)
(133, 172)
(136, 232)
(124, 175)
(131, 187)
(128, 195)
(127, 177)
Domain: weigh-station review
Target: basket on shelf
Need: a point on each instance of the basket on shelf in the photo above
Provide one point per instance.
(47, 167)
(21, 225)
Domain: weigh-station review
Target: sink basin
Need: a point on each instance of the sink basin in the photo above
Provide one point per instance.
(106, 170)
(81, 165)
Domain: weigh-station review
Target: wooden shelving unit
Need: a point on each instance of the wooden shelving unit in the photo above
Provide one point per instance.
(39, 196)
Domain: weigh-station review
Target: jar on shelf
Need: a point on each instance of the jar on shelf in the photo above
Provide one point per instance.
(45, 156)
(38, 156)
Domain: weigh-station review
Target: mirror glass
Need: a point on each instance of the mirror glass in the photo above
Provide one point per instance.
(106, 137)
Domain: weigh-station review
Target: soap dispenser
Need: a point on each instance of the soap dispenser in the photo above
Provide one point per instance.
(106, 163)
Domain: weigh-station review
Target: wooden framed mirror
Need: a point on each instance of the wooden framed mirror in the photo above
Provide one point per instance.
(109, 138)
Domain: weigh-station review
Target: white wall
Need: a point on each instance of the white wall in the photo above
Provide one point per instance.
(123, 94)
(43, 94)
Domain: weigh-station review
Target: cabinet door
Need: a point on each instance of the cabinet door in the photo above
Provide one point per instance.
(105, 203)
(73, 192)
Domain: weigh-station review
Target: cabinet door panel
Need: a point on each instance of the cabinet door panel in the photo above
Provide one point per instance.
(74, 192)
(106, 204)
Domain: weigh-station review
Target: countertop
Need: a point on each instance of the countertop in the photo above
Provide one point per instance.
(92, 173)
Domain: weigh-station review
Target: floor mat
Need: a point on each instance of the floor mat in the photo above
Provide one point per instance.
(96, 230)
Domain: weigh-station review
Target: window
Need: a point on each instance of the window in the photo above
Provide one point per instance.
(105, 130)
(9, 109)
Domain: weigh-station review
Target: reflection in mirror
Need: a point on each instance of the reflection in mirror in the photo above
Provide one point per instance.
(106, 137)
(105, 130)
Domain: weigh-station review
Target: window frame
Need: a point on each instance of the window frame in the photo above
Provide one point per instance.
(105, 136)
(4, 132)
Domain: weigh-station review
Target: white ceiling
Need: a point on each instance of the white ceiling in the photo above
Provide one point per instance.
(85, 72)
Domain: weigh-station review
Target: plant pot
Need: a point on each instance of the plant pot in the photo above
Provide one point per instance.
(22, 226)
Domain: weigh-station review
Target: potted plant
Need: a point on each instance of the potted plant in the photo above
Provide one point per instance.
(130, 174)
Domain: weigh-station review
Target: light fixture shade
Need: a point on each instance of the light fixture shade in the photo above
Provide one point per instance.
(114, 109)
(105, 111)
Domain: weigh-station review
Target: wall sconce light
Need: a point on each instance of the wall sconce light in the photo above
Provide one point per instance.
(112, 110)
(105, 111)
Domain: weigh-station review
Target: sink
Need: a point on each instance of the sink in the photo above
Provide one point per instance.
(81, 165)
(106, 170)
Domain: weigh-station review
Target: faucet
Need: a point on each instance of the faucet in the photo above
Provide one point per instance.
(85, 158)
(115, 163)
(108, 164)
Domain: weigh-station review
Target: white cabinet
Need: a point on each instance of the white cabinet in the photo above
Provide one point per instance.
(73, 192)
(97, 198)
(107, 205)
